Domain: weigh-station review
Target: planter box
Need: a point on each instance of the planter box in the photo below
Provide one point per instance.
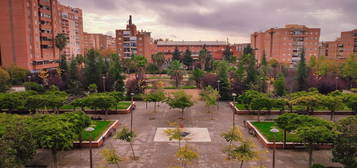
(279, 145)
(100, 141)
(278, 112)
(118, 111)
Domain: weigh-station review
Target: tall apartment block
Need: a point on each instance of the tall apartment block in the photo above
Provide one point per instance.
(286, 44)
(98, 42)
(72, 26)
(130, 42)
(342, 48)
(27, 32)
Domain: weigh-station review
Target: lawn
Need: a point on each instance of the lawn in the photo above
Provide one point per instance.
(99, 128)
(120, 106)
(296, 108)
(265, 127)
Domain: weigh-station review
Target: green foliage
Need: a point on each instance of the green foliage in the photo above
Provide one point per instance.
(110, 156)
(10, 101)
(174, 134)
(187, 58)
(34, 86)
(302, 71)
(115, 72)
(179, 100)
(176, 55)
(197, 75)
(247, 97)
(125, 135)
(158, 60)
(260, 103)
(152, 69)
(99, 126)
(345, 144)
(4, 80)
(222, 68)
(63, 66)
(244, 152)
(279, 86)
(61, 41)
(349, 68)
(210, 95)
(288, 121)
(17, 75)
(205, 58)
(317, 166)
(310, 100)
(79, 119)
(233, 135)
(176, 71)
(92, 88)
(91, 70)
(352, 102)
(228, 55)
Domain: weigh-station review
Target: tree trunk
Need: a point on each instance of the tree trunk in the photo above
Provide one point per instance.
(132, 149)
(146, 105)
(154, 106)
(258, 115)
(332, 117)
(241, 164)
(284, 145)
(310, 154)
(54, 156)
(182, 114)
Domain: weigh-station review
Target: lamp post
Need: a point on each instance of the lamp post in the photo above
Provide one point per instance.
(336, 82)
(90, 130)
(218, 81)
(104, 77)
(234, 101)
(131, 112)
(274, 131)
(29, 78)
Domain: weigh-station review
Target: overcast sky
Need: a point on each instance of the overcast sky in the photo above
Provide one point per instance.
(216, 19)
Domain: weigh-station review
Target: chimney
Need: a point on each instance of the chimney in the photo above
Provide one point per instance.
(130, 21)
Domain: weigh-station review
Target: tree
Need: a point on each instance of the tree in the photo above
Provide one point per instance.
(91, 71)
(197, 75)
(176, 55)
(17, 75)
(349, 69)
(176, 71)
(32, 86)
(288, 122)
(139, 63)
(80, 121)
(345, 144)
(352, 102)
(263, 73)
(210, 96)
(302, 73)
(310, 101)
(233, 135)
(186, 155)
(243, 152)
(159, 60)
(53, 134)
(74, 85)
(222, 68)
(61, 41)
(115, 72)
(247, 97)
(260, 103)
(228, 55)
(155, 96)
(4, 79)
(127, 136)
(332, 103)
(10, 101)
(180, 100)
(101, 102)
(314, 131)
(187, 58)
(279, 86)
(205, 58)
(174, 134)
(17, 145)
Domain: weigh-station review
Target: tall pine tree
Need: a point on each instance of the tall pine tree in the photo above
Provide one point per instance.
(91, 71)
(115, 73)
(228, 55)
(302, 73)
(176, 55)
(187, 58)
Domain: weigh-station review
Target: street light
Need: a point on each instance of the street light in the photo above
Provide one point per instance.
(90, 130)
(218, 81)
(234, 101)
(274, 131)
(29, 78)
(131, 112)
(337, 82)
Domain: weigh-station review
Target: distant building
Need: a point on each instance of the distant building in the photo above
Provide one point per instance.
(27, 34)
(342, 48)
(98, 42)
(72, 26)
(130, 42)
(286, 44)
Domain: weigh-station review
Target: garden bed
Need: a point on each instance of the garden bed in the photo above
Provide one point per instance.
(102, 131)
(262, 131)
(240, 109)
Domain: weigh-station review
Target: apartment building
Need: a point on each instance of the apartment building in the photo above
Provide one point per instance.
(130, 42)
(98, 42)
(342, 48)
(72, 26)
(286, 44)
(27, 34)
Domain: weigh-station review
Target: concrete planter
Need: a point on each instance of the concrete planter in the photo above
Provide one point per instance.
(279, 145)
(100, 141)
(278, 112)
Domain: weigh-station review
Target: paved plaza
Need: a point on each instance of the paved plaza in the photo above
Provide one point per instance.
(162, 154)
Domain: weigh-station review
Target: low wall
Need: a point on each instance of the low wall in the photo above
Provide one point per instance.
(279, 145)
(100, 141)
(278, 112)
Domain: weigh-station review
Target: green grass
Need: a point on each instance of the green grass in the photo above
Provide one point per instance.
(120, 106)
(265, 127)
(99, 129)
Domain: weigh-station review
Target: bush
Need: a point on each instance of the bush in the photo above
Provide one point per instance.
(34, 86)
(316, 165)
(17, 75)
(354, 89)
(4, 79)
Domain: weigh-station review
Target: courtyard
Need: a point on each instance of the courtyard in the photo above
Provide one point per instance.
(161, 154)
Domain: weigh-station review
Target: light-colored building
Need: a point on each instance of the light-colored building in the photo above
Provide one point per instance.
(286, 44)
(27, 34)
(72, 26)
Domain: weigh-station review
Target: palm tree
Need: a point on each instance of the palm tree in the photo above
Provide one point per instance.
(61, 41)
(176, 71)
(159, 60)
(205, 58)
